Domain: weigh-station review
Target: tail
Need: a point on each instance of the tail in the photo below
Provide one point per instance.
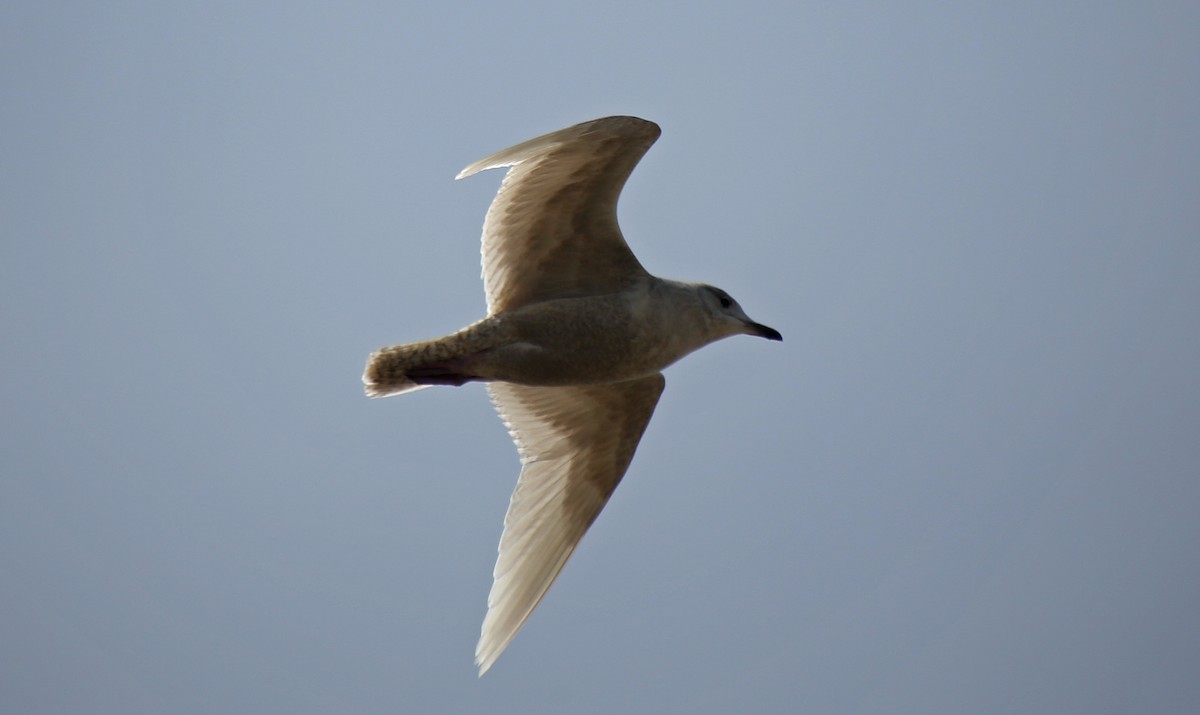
(399, 369)
(386, 370)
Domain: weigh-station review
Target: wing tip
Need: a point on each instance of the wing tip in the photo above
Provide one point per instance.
(513, 155)
(485, 663)
(490, 648)
(470, 170)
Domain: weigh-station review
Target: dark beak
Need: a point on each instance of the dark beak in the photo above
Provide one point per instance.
(764, 332)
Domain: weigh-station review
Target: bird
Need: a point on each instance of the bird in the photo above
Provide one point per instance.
(572, 348)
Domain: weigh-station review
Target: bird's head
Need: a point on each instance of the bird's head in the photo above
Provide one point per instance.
(728, 317)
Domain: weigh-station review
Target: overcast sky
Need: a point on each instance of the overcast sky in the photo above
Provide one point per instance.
(967, 482)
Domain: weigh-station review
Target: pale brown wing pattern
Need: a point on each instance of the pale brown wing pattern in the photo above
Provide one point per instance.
(551, 232)
(575, 445)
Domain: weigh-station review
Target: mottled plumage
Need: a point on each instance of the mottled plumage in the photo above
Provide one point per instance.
(576, 335)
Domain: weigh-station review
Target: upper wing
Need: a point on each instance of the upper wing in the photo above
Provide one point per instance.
(575, 444)
(551, 231)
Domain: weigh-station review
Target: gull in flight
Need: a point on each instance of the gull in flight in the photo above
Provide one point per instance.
(572, 349)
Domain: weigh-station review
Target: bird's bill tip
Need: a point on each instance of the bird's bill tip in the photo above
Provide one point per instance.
(763, 331)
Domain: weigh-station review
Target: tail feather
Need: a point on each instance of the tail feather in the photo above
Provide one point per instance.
(385, 374)
(399, 369)
(451, 360)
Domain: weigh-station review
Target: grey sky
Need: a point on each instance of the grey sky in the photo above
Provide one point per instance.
(967, 482)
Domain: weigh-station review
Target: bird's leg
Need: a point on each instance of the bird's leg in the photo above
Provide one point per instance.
(447, 372)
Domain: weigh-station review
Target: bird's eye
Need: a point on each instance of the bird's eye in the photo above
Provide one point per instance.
(725, 301)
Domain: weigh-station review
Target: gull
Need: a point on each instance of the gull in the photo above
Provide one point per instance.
(572, 349)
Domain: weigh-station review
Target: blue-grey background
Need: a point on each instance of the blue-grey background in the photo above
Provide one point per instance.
(968, 480)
